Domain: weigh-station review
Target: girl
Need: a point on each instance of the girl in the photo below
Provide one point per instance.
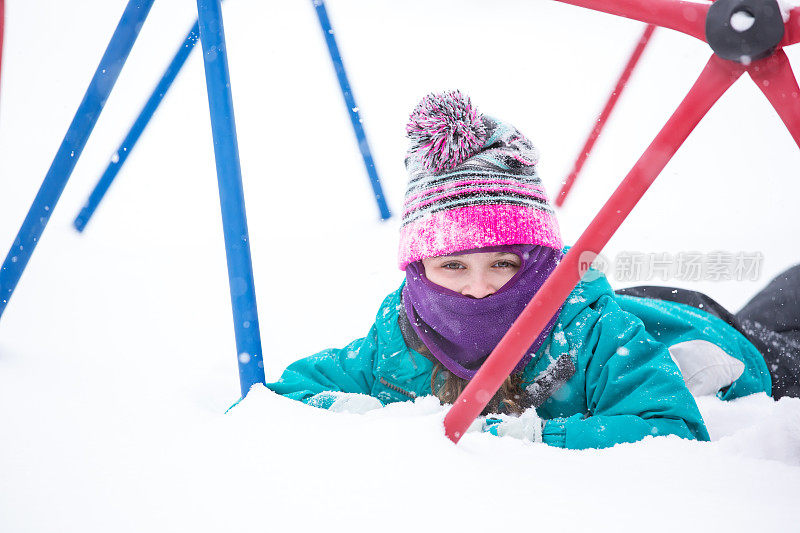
(478, 239)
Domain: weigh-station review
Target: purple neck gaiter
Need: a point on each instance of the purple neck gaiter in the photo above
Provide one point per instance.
(461, 331)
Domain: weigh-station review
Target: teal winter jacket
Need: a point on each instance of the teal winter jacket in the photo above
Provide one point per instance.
(625, 388)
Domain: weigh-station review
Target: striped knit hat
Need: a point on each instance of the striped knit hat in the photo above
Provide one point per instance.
(473, 183)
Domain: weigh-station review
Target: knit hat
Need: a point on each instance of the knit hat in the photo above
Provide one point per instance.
(473, 183)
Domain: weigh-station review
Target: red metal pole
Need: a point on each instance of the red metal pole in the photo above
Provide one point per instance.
(688, 17)
(774, 76)
(792, 27)
(716, 78)
(601, 121)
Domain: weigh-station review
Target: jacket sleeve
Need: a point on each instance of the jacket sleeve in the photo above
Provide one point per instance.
(320, 379)
(633, 389)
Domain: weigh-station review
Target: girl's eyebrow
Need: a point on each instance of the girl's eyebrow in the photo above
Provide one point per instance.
(460, 256)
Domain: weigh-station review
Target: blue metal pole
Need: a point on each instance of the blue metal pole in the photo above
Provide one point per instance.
(231, 195)
(352, 108)
(71, 147)
(124, 150)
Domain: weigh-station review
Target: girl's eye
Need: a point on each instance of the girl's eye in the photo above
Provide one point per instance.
(505, 264)
(452, 266)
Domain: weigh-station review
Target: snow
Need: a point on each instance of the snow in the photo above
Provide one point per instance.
(786, 6)
(117, 359)
(742, 21)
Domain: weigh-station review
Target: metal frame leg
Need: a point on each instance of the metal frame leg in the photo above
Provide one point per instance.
(352, 108)
(775, 78)
(124, 150)
(601, 120)
(71, 147)
(231, 195)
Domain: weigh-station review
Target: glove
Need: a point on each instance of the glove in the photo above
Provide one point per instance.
(351, 402)
(527, 426)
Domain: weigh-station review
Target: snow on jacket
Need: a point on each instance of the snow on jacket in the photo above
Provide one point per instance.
(626, 385)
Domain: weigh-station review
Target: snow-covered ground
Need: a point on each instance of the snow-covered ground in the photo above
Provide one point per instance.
(116, 352)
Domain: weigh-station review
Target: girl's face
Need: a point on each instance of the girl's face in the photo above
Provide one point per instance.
(477, 274)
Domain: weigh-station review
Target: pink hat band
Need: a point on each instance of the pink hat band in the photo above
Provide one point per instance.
(476, 226)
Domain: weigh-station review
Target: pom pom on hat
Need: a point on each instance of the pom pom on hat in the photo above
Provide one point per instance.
(445, 129)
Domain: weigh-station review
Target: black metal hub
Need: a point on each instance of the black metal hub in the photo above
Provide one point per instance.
(744, 30)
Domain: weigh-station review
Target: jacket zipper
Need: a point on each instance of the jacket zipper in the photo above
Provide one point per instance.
(397, 389)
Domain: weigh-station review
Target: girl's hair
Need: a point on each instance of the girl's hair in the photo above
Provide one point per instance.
(510, 399)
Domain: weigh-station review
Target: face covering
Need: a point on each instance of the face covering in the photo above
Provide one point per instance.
(461, 331)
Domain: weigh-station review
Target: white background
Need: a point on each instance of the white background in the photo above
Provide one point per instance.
(117, 358)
